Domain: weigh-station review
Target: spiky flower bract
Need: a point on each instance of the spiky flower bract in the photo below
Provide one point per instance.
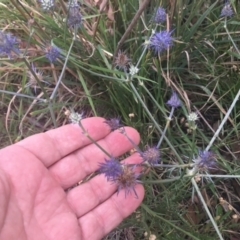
(127, 180)
(151, 155)
(111, 169)
(52, 53)
(113, 123)
(227, 10)
(174, 101)
(121, 174)
(122, 61)
(8, 44)
(206, 160)
(32, 80)
(160, 41)
(160, 15)
(74, 15)
(47, 4)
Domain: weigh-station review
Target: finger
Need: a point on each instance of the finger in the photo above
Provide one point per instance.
(55, 144)
(97, 223)
(97, 189)
(76, 166)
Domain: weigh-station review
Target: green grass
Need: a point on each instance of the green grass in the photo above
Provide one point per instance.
(201, 66)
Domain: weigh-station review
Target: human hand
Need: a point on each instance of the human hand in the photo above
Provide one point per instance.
(35, 173)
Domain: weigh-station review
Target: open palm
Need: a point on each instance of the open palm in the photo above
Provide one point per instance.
(36, 172)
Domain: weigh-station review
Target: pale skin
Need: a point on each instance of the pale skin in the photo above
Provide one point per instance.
(34, 176)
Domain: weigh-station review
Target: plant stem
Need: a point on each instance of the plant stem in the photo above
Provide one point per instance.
(166, 127)
(225, 26)
(92, 140)
(206, 208)
(22, 95)
(223, 121)
(63, 70)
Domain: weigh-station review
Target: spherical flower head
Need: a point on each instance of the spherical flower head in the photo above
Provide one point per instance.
(174, 101)
(206, 160)
(133, 70)
(160, 41)
(113, 123)
(127, 180)
(52, 53)
(47, 4)
(151, 155)
(111, 168)
(122, 61)
(8, 44)
(192, 117)
(75, 117)
(74, 15)
(160, 15)
(227, 10)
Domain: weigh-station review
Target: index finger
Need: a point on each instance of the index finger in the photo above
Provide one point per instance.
(55, 144)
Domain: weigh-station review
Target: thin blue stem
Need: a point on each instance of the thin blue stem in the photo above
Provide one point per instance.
(63, 70)
(166, 127)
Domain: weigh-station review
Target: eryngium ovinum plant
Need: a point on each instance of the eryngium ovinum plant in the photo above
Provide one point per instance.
(160, 40)
(125, 175)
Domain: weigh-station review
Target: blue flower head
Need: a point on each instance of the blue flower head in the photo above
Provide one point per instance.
(121, 174)
(160, 41)
(8, 44)
(52, 53)
(160, 15)
(151, 155)
(111, 169)
(74, 15)
(206, 160)
(113, 123)
(174, 101)
(227, 10)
